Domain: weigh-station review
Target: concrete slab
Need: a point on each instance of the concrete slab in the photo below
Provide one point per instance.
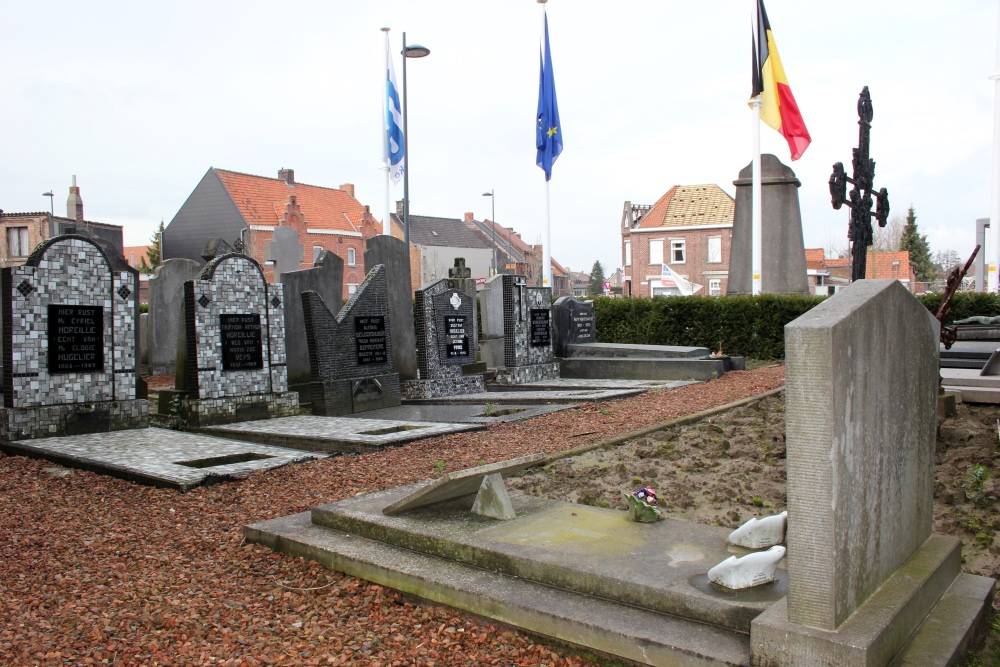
(636, 634)
(567, 384)
(642, 368)
(589, 550)
(464, 413)
(968, 377)
(533, 397)
(458, 483)
(335, 434)
(628, 350)
(159, 457)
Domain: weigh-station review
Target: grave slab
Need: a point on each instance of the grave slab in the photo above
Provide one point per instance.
(158, 457)
(470, 413)
(336, 434)
(532, 397)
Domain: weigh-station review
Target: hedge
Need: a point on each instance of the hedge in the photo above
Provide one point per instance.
(746, 326)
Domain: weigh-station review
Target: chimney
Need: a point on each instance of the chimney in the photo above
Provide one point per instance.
(287, 175)
(469, 217)
(348, 188)
(399, 209)
(74, 203)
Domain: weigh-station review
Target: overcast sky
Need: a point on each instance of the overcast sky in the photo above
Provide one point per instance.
(139, 99)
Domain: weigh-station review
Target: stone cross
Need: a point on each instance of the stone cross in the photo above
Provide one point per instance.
(460, 270)
(285, 251)
(859, 231)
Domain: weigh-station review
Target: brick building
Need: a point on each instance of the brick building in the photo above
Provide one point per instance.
(690, 229)
(234, 206)
(436, 242)
(21, 232)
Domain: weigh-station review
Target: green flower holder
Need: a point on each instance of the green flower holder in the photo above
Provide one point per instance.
(641, 511)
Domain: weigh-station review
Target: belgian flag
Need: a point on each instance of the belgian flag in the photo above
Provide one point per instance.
(777, 104)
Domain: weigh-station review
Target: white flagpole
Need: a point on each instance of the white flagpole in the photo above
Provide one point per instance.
(387, 220)
(755, 189)
(546, 240)
(993, 244)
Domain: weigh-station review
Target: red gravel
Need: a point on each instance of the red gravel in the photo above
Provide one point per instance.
(96, 570)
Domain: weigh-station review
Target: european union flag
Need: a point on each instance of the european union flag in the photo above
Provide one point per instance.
(548, 133)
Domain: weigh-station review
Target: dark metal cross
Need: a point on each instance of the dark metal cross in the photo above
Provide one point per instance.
(859, 231)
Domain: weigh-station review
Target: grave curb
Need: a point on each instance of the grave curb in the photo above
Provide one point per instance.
(677, 421)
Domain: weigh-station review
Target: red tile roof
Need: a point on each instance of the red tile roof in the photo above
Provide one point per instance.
(888, 265)
(262, 201)
(138, 252)
(690, 205)
(557, 268)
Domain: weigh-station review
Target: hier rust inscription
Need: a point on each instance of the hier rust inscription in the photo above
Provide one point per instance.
(540, 334)
(370, 340)
(241, 342)
(76, 339)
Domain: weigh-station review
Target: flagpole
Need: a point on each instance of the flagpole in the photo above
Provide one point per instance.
(387, 220)
(546, 240)
(993, 245)
(756, 234)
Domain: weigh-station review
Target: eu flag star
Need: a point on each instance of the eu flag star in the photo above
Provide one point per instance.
(551, 131)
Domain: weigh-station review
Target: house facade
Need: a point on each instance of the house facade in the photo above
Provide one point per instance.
(247, 209)
(827, 275)
(436, 242)
(689, 229)
(20, 233)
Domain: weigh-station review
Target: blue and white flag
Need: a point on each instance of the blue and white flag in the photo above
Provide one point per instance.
(548, 132)
(393, 138)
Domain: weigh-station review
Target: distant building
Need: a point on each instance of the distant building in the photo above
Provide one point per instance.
(579, 283)
(246, 208)
(134, 254)
(827, 275)
(22, 232)
(690, 229)
(436, 242)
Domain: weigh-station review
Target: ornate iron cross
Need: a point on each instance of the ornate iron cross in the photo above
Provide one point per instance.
(859, 231)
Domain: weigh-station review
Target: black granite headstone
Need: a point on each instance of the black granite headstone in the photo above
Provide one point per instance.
(540, 330)
(76, 339)
(241, 342)
(574, 324)
(370, 339)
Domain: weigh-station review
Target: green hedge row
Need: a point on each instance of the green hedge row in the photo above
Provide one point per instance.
(746, 326)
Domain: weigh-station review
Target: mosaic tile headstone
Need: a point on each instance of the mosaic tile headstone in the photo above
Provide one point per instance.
(524, 314)
(574, 324)
(231, 357)
(445, 322)
(70, 342)
(351, 353)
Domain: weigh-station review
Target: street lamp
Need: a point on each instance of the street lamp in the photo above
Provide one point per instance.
(493, 224)
(52, 210)
(412, 51)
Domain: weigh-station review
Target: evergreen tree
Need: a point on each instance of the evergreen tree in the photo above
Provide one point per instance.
(596, 284)
(153, 253)
(920, 251)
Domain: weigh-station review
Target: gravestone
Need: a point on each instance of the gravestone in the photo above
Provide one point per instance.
(783, 255)
(285, 251)
(446, 339)
(166, 307)
(231, 355)
(574, 324)
(351, 353)
(393, 255)
(517, 320)
(863, 567)
(70, 342)
(325, 279)
(217, 248)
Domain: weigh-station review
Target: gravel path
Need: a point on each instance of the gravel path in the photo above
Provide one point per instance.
(99, 571)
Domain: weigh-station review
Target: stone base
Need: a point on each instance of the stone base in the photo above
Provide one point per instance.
(197, 413)
(525, 374)
(349, 396)
(880, 629)
(438, 387)
(76, 419)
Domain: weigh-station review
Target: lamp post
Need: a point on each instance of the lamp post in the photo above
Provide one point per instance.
(493, 225)
(52, 210)
(412, 51)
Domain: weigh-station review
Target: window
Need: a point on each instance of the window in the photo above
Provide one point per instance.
(317, 251)
(656, 251)
(677, 251)
(17, 242)
(628, 253)
(351, 257)
(714, 287)
(352, 288)
(714, 249)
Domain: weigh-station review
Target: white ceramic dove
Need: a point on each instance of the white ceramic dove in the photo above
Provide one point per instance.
(760, 533)
(750, 570)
